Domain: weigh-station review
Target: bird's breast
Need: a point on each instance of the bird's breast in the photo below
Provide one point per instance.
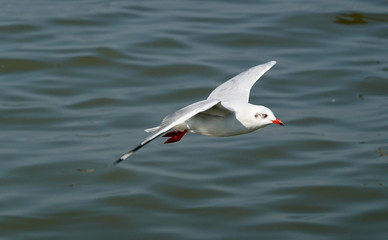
(211, 125)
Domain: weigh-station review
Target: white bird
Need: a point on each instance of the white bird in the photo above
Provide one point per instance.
(226, 112)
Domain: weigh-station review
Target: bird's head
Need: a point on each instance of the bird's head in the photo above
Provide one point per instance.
(263, 116)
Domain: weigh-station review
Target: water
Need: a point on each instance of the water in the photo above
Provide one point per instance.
(80, 80)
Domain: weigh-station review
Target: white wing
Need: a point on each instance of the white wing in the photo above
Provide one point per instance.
(239, 87)
(172, 120)
(182, 115)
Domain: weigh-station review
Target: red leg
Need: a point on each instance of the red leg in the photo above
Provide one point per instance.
(174, 136)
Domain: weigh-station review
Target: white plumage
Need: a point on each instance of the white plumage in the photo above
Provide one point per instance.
(226, 112)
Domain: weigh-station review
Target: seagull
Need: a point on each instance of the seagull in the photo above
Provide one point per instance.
(226, 112)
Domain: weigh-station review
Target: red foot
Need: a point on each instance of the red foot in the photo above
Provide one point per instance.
(174, 136)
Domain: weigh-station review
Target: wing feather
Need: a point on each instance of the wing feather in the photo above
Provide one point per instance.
(239, 87)
(172, 120)
(182, 115)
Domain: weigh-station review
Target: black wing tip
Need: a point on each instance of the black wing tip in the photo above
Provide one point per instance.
(128, 154)
(118, 161)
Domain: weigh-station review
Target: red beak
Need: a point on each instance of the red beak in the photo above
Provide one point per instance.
(277, 121)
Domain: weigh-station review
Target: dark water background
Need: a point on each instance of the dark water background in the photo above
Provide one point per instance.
(80, 80)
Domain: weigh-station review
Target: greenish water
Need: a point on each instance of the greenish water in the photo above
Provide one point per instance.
(80, 80)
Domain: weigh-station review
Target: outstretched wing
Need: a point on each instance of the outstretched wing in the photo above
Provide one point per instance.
(172, 120)
(239, 87)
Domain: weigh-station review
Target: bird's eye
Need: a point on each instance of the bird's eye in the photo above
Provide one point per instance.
(256, 115)
(264, 115)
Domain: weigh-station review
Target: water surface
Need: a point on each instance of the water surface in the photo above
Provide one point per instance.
(80, 80)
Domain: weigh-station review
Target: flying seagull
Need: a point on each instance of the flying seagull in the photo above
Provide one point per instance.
(226, 112)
